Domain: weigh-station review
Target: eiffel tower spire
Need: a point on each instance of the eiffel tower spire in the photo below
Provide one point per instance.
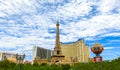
(57, 49)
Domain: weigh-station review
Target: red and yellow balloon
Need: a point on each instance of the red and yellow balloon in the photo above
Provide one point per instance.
(97, 48)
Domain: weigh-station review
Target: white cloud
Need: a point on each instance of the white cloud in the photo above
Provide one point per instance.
(106, 6)
(107, 48)
(114, 41)
(96, 26)
(110, 34)
(73, 9)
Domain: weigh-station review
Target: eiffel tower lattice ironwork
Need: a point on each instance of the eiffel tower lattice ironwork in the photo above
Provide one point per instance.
(57, 56)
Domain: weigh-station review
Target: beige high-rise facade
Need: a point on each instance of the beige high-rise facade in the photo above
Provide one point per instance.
(76, 51)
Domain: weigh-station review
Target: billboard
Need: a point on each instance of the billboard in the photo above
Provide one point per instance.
(97, 59)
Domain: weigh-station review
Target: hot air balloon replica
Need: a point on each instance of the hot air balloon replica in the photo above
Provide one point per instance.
(97, 49)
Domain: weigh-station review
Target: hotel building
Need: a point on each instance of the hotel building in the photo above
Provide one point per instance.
(41, 53)
(10, 56)
(76, 51)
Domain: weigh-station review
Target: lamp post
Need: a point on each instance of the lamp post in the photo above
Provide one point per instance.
(20, 58)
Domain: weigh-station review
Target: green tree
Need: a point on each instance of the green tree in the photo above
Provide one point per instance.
(65, 67)
(5, 64)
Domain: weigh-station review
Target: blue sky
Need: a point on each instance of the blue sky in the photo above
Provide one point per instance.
(28, 23)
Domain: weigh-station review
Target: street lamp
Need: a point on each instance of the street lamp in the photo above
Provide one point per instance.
(20, 58)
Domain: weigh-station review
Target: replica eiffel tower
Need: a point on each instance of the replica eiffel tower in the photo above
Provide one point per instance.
(57, 56)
